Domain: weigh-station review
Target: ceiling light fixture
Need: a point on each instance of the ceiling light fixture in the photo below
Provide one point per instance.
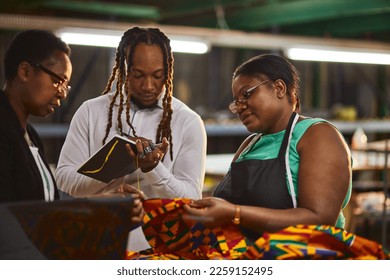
(189, 46)
(343, 55)
(99, 38)
(87, 39)
(210, 37)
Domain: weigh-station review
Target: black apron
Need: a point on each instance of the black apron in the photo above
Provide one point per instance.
(258, 182)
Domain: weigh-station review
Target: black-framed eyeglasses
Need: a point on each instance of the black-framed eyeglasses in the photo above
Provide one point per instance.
(61, 85)
(245, 97)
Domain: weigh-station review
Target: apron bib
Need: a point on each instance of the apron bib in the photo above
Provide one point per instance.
(259, 183)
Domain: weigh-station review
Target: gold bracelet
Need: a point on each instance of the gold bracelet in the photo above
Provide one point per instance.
(237, 215)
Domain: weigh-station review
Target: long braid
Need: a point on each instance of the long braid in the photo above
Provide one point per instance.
(118, 73)
(113, 75)
(121, 98)
(131, 43)
(128, 106)
(164, 128)
(110, 110)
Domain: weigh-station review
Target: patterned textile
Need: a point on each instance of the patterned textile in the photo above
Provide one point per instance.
(78, 228)
(172, 237)
(167, 232)
(314, 242)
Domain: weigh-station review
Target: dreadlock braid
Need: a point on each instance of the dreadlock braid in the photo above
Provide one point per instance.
(119, 119)
(128, 106)
(106, 90)
(118, 72)
(110, 110)
(113, 75)
(130, 39)
(164, 128)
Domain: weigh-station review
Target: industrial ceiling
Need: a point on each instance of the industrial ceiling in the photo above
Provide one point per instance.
(367, 20)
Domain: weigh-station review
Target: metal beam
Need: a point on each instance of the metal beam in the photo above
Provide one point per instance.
(125, 10)
(222, 38)
(350, 27)
(188, 8)
(304, 11)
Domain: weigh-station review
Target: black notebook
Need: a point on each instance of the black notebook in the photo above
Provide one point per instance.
(111, 161)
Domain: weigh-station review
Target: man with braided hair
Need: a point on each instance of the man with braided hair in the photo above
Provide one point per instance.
(143, 107)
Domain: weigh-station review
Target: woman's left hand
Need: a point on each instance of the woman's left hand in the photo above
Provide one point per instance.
(210, 211)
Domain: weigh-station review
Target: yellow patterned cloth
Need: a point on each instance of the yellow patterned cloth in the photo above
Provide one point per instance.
(172, 237)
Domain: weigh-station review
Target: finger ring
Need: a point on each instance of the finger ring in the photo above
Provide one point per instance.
(152, 145)
(141, 155)
(147, 150)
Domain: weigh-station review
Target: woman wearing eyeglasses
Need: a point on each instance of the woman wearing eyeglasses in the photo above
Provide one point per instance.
(291, 170)
(37, 70)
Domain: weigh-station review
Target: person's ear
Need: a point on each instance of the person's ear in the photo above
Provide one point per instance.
(280, 87)
(24, 71)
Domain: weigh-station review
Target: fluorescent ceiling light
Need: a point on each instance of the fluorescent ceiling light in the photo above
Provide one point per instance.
(212, 37)
(85, 39)
(185, 46)
(342, 55)
(99, 39)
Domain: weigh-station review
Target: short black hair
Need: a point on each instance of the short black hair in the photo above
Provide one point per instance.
(274, 67)
(33, 45)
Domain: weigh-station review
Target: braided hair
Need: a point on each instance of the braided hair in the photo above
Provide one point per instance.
(130, 39)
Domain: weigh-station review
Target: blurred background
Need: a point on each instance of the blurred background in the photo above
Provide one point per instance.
(354, 95)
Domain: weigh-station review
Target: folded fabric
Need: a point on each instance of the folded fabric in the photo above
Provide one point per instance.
(172, 237)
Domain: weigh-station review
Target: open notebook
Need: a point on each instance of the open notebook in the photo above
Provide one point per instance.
(69, 229)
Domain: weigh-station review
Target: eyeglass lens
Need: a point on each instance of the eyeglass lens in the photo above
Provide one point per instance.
(62, 88)
(245, 96)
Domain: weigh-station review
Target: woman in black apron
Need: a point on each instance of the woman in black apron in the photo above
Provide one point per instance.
(255, 192)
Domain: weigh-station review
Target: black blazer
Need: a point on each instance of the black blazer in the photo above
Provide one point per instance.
(19, 175)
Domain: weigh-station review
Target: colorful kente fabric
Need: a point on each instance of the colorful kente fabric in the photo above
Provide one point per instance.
(167, 232)
(171, 237)
(77, 228)
(314, 242)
